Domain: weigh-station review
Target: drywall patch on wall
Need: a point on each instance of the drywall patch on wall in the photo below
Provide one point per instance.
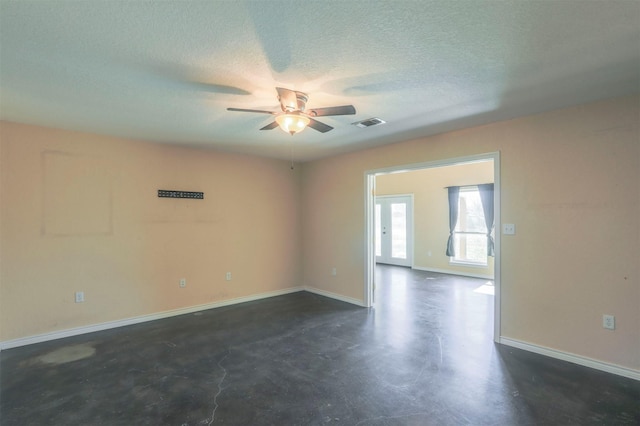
(77, 195)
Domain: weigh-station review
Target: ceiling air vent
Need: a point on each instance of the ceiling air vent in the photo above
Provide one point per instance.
(369, 122)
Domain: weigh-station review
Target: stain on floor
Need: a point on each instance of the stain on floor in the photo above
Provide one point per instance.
(67, 354)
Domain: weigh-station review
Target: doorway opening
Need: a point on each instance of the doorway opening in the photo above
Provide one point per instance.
(375, 227)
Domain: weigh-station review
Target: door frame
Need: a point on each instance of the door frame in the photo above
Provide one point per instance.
(369, 195)
(410, 239)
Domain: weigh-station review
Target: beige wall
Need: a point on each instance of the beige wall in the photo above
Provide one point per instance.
(431, 211)
(80, 212)
(571, 184)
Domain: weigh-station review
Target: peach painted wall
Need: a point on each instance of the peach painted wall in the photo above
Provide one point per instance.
(431, 211)
(80, 212)
(571, 184)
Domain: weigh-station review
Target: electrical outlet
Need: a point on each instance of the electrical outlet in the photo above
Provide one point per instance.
(334, 271)
(228, 276)
(609, 322)
(79, 296)
(509, 229)
(183, 282)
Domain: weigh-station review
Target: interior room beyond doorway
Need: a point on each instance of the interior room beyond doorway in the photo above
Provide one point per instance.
(427, 242)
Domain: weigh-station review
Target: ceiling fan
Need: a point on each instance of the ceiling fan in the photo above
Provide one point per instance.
(294, 118)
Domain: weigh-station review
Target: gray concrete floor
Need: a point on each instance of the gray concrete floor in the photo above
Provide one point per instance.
(422, 356)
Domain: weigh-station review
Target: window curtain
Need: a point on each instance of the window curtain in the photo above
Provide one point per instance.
(454, 192)
(486, 196)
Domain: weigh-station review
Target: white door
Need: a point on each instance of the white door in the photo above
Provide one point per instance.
(394, 229)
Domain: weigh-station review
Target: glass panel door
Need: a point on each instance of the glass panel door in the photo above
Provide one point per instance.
(399, 230)
(393, 230)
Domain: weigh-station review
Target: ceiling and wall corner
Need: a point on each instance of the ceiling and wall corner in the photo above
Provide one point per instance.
(166, 71)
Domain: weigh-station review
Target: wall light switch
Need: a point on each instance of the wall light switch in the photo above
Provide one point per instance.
(79, 296)
(508, 229)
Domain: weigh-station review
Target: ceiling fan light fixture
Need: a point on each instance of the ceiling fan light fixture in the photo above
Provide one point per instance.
(292, 123)
(293, 118)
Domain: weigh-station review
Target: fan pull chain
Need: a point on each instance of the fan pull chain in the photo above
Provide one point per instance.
(292, 155)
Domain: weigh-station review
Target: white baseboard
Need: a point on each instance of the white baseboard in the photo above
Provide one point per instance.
(335, 296)
(7, 344)
(450, 272)
(576, 359)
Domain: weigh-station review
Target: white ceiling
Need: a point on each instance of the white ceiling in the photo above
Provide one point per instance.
(166, 71)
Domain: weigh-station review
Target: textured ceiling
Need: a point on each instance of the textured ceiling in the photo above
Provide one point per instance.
(166, 71)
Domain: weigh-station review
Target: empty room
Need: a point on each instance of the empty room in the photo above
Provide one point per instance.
(309, 213)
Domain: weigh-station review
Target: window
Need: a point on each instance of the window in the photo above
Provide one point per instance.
(470, 237)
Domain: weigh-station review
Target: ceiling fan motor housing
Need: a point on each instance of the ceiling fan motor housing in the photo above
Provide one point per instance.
(302, 99)
(301, 102)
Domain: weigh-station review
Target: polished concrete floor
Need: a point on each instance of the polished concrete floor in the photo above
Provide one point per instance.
(422, 356)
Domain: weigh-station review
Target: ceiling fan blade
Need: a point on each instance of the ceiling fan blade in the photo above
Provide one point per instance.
(337, 110)
(288, 100)
(252, 110)
(270, 126)
(321, 127)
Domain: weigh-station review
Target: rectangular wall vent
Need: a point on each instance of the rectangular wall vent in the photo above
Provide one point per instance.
(369, 122)
(167, 193)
